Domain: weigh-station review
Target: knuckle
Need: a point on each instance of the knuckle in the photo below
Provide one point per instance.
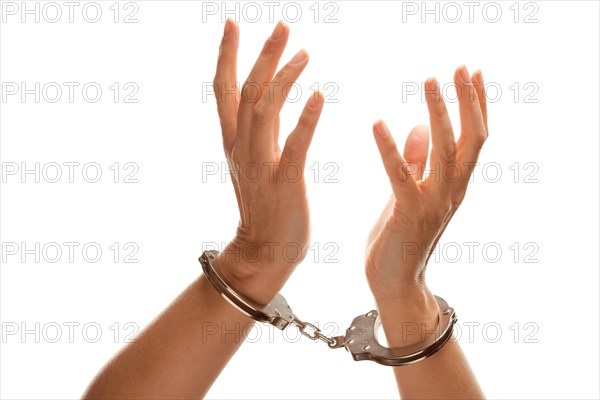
(259, 114)
(480, 140)
(399, 172)
(485, 133)
(219, 91)
(440, 109)
(282, 75)
(449, 152)
(305, 122)
(250, 91)
(267, 51)
(216, 85)
(293, 146)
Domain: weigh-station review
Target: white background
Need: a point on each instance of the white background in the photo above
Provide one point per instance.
(534, 324)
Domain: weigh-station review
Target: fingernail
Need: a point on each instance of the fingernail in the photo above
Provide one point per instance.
(278, 31)
(430, 85)
(228, 27)
(420, 132)
(314, 101)
(464, 74)
(299, 57)
(480, 75)
(382, 129)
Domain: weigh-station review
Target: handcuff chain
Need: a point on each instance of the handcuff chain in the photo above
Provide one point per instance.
(333, 342)
(360, 338)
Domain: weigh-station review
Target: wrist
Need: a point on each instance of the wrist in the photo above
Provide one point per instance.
(251, 278)
(409, 317)
(392, 281)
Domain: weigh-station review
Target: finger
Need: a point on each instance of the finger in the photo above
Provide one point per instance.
(271, 103)
(293, 156)
(262, 72)
(472, 126)
(478, 82)
(443, 151)
(398, 170)
(225, 84)
(473, 132)
(416, 148)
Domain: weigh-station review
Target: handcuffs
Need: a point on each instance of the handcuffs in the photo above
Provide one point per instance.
(360, 338)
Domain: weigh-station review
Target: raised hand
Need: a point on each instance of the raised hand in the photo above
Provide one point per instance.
(273, 234)
(419, 210)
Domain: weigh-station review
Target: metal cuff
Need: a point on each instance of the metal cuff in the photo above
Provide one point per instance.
(277, 313)
(361, 337)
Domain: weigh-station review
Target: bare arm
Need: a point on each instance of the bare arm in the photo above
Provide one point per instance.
(410, 227)
(180, 354)
(183, 351)
(444, 375)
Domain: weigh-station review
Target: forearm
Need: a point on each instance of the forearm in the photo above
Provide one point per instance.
(180, 354)
(444, 375)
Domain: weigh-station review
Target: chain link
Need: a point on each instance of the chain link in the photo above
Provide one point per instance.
(333, 342)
